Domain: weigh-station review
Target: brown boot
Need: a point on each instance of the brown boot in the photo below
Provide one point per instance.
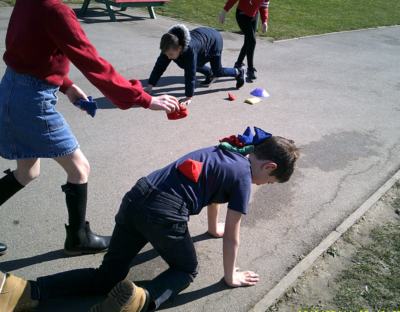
(15, 294)
(124, 297)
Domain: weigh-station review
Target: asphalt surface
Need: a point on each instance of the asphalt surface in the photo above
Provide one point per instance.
(336, 95)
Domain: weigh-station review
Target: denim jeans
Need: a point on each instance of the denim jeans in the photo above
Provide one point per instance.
(30, 125)
(146, 215)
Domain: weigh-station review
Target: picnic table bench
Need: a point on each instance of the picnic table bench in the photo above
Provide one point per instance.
(123, 4)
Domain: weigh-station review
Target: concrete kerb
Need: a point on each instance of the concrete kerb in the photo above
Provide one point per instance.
(335, 33)
(280, 289)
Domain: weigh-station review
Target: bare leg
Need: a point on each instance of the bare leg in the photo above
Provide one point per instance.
(76, 166)
(27, 170)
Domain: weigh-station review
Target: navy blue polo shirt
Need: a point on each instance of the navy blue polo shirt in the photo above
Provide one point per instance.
(225, 177)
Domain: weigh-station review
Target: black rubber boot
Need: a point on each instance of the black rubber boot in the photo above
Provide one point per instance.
(251, 73)
(80, 239)
(3, 249)
(76, 200)
(84, 241)
(8, 186)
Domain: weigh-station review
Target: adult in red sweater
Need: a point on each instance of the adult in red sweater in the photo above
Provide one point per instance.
(247, 19)
(43, 37)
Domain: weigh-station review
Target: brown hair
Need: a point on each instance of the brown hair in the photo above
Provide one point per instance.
(281, 151)
(168, 42)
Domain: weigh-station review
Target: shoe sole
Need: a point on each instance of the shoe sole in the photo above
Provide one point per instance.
(3, 276)
(244, 79)
(3, 252)
(77, 253)
(207, 85)
(118, 298)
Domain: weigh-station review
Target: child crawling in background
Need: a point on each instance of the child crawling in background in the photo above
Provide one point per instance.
(191, 51)
(156, 210)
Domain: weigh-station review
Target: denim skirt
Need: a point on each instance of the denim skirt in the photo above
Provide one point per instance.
(30, 126)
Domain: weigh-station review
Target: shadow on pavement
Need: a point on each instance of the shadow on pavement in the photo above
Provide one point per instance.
(22, 263)
(58, 254)
(84, 303)
(104, 103)
(97, 15)
(166, 81)
(152, 253)
(185, 298)
(164, 87)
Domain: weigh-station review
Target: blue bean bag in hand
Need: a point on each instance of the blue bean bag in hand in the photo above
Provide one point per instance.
(89, 106)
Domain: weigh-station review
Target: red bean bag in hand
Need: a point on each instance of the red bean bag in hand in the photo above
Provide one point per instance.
(178, 115)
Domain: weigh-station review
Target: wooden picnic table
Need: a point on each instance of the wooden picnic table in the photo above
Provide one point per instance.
(123, 4)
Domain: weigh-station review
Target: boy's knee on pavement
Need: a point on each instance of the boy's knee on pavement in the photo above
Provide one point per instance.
(193, 272)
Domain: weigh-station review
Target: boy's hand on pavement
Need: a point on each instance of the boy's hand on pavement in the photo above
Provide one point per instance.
(219, 231)
(185, 101)
(167, 103)
(245, 278)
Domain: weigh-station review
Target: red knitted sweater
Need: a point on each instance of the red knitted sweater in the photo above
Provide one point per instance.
(250, 7)
(44, 36)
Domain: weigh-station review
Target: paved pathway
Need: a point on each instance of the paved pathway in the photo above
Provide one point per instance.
(337, 96)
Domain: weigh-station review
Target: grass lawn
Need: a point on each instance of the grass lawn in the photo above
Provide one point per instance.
(289, 18)
(376, 265)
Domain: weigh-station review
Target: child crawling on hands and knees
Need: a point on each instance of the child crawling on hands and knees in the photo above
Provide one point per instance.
(156, 210)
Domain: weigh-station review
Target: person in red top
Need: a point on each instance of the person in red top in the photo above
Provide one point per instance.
(247, 19)
(43, 37)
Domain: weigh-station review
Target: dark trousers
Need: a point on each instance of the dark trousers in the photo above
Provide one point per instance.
(146, 215)
(215, 62)
(216, 68)
(248, 25)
